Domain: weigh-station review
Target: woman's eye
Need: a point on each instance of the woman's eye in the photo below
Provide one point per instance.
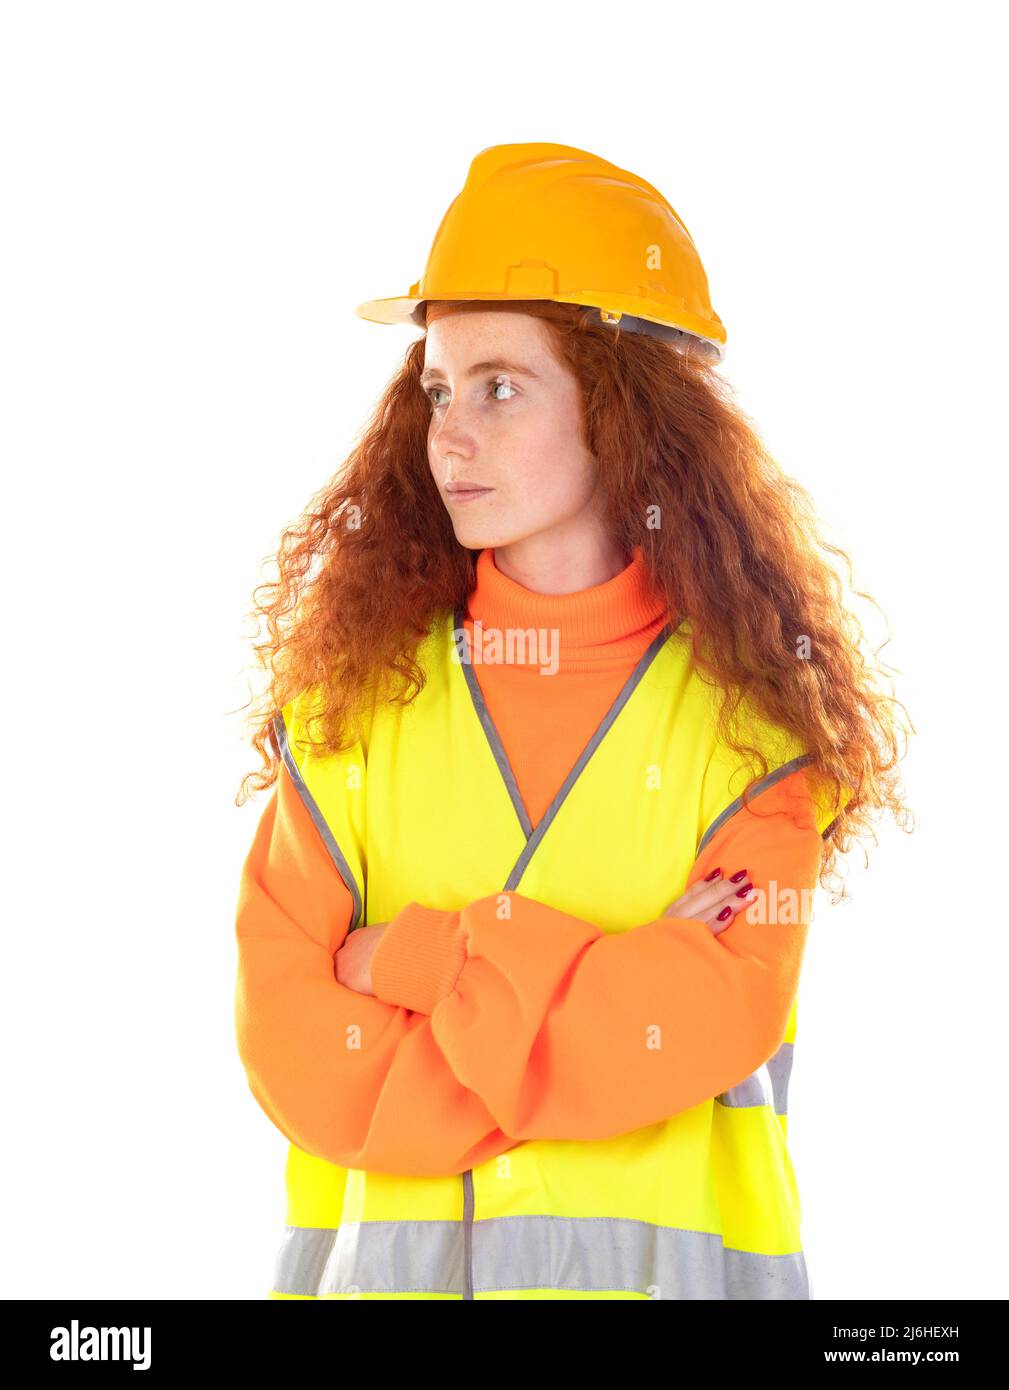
(499, 383)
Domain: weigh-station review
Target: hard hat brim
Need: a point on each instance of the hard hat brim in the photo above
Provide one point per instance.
(400, 310)
(404, 309)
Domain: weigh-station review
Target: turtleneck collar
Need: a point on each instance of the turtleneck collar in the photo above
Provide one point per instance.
(625, 609)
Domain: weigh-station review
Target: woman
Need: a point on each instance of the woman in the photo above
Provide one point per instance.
(567, 721)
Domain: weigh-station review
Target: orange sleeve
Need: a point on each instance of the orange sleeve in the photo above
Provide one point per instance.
(343, 1075)
(567, 1032)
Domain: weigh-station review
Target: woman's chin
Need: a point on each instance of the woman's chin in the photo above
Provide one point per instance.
(476, 537)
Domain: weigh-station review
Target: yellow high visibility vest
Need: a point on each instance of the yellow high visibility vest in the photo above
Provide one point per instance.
(703, 1204)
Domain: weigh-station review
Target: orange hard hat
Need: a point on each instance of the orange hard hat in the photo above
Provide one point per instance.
(543, 221)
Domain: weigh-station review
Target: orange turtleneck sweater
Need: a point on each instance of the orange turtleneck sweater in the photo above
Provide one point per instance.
(482, 1033)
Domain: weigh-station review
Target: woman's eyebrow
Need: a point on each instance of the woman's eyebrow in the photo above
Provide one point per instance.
(497, 365)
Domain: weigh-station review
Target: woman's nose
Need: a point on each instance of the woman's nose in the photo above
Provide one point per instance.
(451, 435)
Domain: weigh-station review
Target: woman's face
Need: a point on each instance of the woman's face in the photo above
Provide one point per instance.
(506, 417)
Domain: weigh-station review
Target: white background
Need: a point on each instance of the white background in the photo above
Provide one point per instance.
(195, 198)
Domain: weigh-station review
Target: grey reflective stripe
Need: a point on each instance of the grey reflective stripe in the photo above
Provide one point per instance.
(516, 1253)
(768, 1085)
(552, 1252)
(780, 1067)
(371, 1257)
(755, 1090)
(467, 1227)
(534, 837)
(493, 737)
(758, 787)
(328, 839)
(301, 1260)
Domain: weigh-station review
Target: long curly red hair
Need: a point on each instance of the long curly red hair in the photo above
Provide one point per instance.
(737, 548)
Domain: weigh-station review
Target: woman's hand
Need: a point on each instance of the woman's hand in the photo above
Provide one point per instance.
(353, 959)
(715, 902)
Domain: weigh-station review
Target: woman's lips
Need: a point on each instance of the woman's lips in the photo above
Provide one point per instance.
(468, 494)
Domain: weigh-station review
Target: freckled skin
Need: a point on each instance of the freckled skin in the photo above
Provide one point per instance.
(523, 438)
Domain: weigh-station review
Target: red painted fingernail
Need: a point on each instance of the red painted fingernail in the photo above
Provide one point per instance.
(737, 877)
(714, 874)
(725, 912)
(743, 891)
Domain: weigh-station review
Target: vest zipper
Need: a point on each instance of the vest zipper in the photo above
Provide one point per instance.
(467, 1232)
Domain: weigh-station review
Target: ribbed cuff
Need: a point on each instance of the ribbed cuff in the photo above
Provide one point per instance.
(418, 960)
